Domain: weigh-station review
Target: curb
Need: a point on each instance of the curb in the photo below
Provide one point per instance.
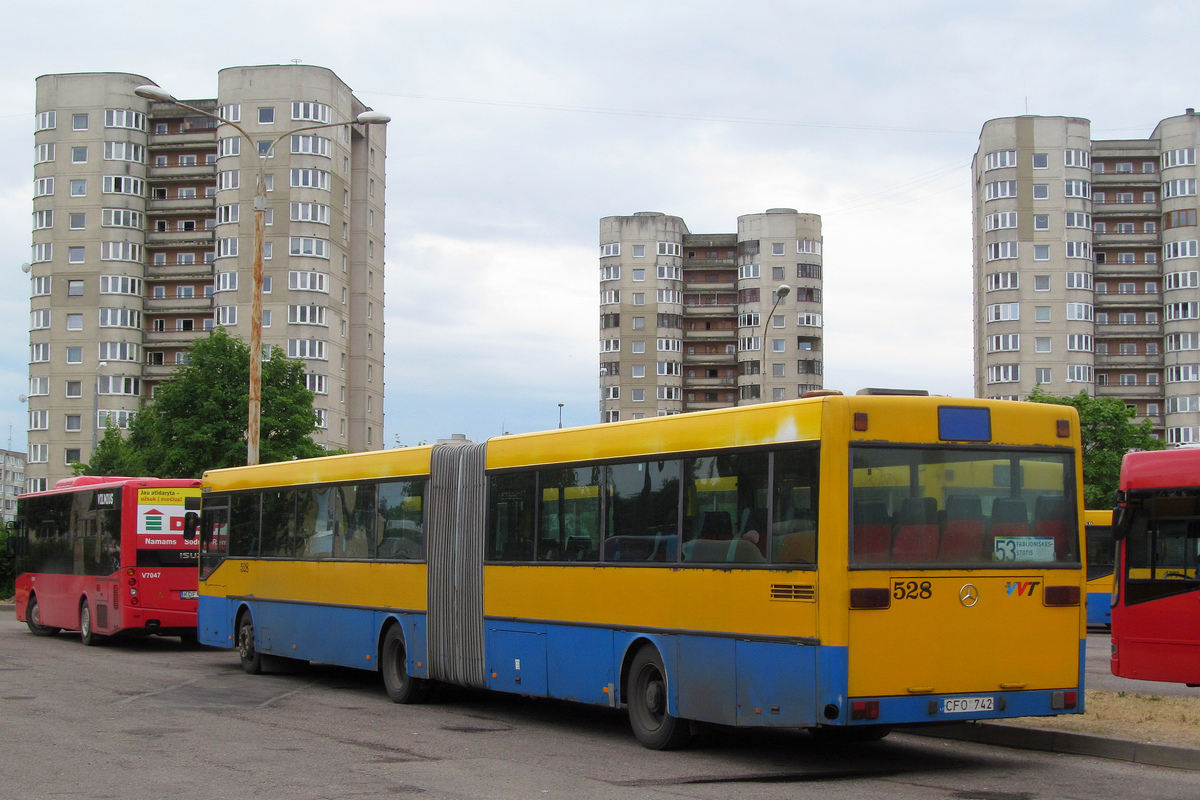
(1080, 744)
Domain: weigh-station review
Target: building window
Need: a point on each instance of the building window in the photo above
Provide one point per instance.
(1041, 191)
(1042, 375)
(1041, 344)
(78, 188)
(1041, 313)
(1041, 222)
(1041, 252)
(266, 116)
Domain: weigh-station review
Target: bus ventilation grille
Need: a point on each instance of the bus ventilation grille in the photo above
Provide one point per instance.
(793, 591)
(101, 615)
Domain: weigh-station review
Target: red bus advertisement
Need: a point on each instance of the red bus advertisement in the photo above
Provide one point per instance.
(1156, 588)
(107, 556)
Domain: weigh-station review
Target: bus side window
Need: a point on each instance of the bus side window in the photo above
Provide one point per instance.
(399, 508)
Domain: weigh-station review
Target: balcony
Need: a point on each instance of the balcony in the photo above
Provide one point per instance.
(1114, 239)
(157, 371)
(182, 205)
(180, 272)
(198, 171)
(1108, 300)
(1130, 392)
(1112, 180)
(710, 359)
(1140, 331)
(708, 336)
(191, 138)
(701, 263)
(701, 286)
(178, 305)
(199, 238)
(153, 339)
(1129, 362)
(709, 383)
(728, 310)
(1113, 209)
(1115, 270)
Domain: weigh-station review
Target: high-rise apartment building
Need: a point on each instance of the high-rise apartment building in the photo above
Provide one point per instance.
(1086, 268)
(143, 239)
(689, 321)
(13, 483)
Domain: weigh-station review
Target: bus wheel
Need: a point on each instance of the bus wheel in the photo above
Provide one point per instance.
(652, 725)
(251, 658)
(86, 634)
(33, 618)
(393, 663)
(838, 736)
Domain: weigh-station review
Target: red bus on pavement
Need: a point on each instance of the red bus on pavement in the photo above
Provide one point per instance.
(1156, 588)
(107, 556)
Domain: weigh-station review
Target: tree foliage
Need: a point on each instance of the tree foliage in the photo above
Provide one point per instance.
(198, 418)
(1107, 434)
(113, 456)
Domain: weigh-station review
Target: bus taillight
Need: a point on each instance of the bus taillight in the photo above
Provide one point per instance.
(864, 709)
(1061, 596)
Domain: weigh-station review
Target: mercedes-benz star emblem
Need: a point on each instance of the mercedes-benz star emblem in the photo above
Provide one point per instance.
(968, 595)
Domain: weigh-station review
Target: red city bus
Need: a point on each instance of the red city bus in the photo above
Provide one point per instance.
(107, 556)
(1156, 588)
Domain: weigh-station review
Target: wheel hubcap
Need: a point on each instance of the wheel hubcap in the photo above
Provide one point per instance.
(654, 697)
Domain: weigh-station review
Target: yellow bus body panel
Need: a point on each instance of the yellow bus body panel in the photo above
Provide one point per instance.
(377, 465)
(680, 600)
(362, 584)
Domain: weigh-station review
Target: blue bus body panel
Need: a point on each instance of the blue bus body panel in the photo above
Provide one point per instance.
(1099, 608)
(214, 622)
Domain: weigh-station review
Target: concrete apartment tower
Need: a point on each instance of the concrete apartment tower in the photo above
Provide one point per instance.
(686, 320)
(144, 235)
(1085, 266)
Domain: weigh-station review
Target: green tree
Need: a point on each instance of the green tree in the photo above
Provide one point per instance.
(1107, 434)
(197, 419)
(114, 455)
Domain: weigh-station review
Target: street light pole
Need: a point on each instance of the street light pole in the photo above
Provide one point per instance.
(96, 407)
(782, 291)
(560, 405)
(254, 409)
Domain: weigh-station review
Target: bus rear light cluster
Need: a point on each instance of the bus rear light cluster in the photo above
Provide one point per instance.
(1063, 700)
(870, 598)
(864, 709)
(1061, 596)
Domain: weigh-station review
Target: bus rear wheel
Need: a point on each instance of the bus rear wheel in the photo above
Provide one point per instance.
(87, 634)
(33, 618)
(393, 663)
(251, 659)
(653, 726)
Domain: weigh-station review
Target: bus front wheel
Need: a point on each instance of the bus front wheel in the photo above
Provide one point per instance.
(87, 634)
(33, 618)
(653, 726)
(393, 663)
(251, 659)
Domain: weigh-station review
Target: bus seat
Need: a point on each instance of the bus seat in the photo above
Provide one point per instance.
(872, 531)
(1050, 520)
(1010, 517)
(716, 525)
(717, 551)
(579, 548)
(798, 547)
(917, 533)
(962, 538)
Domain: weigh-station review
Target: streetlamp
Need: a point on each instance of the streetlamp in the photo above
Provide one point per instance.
(603, 395)
(782, 291)
(96, 406)
(254, 415)
(560, 405)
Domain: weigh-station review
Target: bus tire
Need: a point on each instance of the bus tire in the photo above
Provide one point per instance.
(33, 618)
(250, 657)
(652, 725)
(835, 736)
(87, 634)
(393, 664)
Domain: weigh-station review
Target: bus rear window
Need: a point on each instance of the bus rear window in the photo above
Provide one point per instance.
(927, 506)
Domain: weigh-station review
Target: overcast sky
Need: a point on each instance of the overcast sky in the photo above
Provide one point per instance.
(517, 125)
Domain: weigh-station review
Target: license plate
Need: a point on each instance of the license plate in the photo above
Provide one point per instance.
(967, 705)
(190, 595)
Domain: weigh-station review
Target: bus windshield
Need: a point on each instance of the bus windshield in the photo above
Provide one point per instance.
(1163, 548)
(952, 505)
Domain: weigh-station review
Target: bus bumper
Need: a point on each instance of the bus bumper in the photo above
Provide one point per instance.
(962, 707)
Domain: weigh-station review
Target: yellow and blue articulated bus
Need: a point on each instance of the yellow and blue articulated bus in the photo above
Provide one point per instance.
(1101, 554)
(842, 564)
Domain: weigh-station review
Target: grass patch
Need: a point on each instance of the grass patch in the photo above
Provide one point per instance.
(1142, 717)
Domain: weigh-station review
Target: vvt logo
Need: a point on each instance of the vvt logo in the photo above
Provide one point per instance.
(1021, 588)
